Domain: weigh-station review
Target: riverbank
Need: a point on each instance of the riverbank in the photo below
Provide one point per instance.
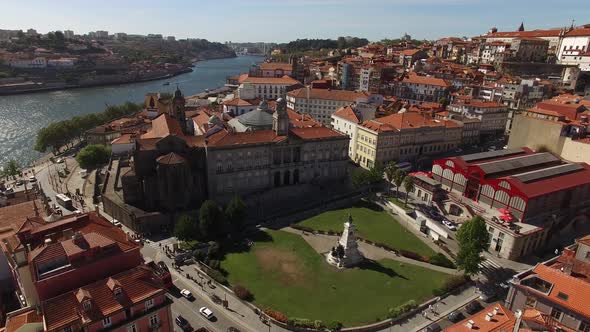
(94, 85)
(22, 115)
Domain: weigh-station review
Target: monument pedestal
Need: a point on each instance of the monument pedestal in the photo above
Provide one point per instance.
(346, 253)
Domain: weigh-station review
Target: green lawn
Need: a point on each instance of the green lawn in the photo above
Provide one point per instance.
(284, 273)
(372, 223)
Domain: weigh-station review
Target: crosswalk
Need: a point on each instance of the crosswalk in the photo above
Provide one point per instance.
(490, 268)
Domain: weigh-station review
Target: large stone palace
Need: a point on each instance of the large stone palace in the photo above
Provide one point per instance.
(172, 169)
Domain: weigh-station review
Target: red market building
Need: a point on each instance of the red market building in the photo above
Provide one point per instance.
(537, 189)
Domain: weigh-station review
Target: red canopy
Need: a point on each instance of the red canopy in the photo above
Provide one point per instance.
(504, 211)
(506, 217)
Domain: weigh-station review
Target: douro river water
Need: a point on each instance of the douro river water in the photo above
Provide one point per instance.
(21, 116)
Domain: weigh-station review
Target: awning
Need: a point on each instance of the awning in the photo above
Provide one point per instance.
(504, 211)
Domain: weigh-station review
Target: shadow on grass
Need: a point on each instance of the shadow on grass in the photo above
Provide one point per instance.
(375, 266)
(367, 205)
(244, 243)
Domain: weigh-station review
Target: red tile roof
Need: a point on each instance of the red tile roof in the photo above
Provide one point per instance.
(15, 322)
(576, 290)
(408, 120)
(276, 65)
(12, 217)
(163, 126)
(417, 79)
(299, 120)
(503, 320)
(316, 133)
(410, 52)
(137, 285)
(578, 32)
(516, 34)
(285, 80)
(225, 138)
(328, 94)
(237, 102)
(570, 110)
(347, 113)
(478, 103)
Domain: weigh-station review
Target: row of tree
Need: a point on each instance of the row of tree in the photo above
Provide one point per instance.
(67, 132)
(213, 222)
(317, 44)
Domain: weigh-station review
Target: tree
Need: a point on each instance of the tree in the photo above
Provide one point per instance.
(408, 186)
(473, 239)
(11, 168)
(186, 228)
(398, 180)
(235, 213)
(389, 173)
(361, 177)
(210, 219)
(93, 156)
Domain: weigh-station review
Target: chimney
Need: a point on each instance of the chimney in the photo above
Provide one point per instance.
(470, 324)
(567, 268)
(489, 316)
(496, 310)
(96, 209)
(584, 119)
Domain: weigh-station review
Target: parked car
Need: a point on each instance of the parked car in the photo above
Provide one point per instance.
(187, 294)
(433, 328)
(117, 223)
(60, 160)
(183, 323)
(458, 150)
(233, 329)
(473, 307)
(449, 224)
(456, 316)
(20, 182)
(206, 312)
(32, 179)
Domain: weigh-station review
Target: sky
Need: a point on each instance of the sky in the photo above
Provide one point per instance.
(286, 20)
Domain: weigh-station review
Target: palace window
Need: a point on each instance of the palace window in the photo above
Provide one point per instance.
(556, 313)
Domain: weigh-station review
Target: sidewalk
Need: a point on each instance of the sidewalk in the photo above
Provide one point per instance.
(444, 308)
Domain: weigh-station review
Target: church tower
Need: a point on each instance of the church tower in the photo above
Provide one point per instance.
(521, 27)
(280, 118)
(178, 110)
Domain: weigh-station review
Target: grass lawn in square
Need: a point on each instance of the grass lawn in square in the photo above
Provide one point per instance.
(372, 223)
(286, 274)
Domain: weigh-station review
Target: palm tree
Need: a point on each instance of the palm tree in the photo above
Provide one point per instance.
(389, 173)
(408, 186)
(398, 179)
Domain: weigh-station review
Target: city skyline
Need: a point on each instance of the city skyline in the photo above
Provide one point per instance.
(423, 19)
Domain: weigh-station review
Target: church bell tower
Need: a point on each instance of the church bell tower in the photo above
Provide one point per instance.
(280, 118)
(178, 110)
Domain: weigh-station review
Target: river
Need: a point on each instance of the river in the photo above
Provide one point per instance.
(21, 116)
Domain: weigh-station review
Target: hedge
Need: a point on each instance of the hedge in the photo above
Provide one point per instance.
(242, 293)
(441, 260)
(450, 284)
(217, 276)
(402, 309)
(306, 323)
(276, 315)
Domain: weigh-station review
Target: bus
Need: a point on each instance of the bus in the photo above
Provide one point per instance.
(404, 166)
(64, 201)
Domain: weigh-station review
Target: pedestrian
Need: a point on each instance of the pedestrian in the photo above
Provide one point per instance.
(430, 307)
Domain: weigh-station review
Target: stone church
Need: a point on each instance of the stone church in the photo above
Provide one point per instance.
(173, 170)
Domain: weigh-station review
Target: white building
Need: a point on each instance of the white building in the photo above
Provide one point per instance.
(322, 103)
(38, 62)
(346, 119)
(493, 115)
(238, 106)
(265, 87)
(574, 47)
(490, 50)
(61, 63)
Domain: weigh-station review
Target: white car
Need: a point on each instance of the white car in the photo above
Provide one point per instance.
(32, 179)
(186, 294)
(450, 225)
(206, 312)
(59, 160)
(117, 223)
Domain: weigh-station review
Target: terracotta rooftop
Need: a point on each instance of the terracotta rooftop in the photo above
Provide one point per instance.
(12, 217)
(276, 65)
(516, 34)
(503, 320)
(328, 94)
(407, 120)
(285, 80)
(162, 126)
(410, 52)
(478, 103)
(316, 133)
(578, 32)
(15, 322)
(299, 120)
(226, 139)
(417, 79)
(347, 113)
(137, 286)
(171, 159)
(237, 102)
(123, 139)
